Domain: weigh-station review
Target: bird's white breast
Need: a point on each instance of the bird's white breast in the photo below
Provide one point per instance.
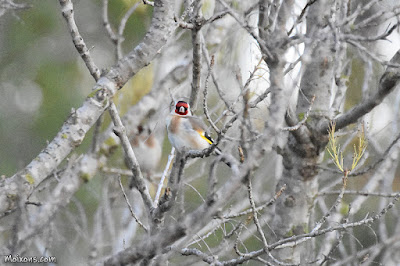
(182, 135)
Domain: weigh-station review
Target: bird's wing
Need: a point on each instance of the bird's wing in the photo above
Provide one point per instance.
(200, 128)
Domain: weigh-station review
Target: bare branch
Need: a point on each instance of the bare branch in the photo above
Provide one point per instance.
(387, 83)
(137, 178)
(106, 23)
(59, 198)
(213, 75)
(205, 92)
(300, 17)
(80, 45)
(359, 193)
(365, 252)
(261, 43)
(382, 36)
(217, 224)
(80, 121)
(119, 128)
(334, 206)
(216, 16)
(290, 118)
(255, 215)
(130, 207)
(184, 25)
(196, 65)
(67, 10)
(121, 29)
(380, 160)
(296, 240)
(259, 208)
(161, 28)
(164, 175)
(208, 259)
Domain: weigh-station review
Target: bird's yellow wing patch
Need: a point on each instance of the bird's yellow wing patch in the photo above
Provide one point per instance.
(205, 137)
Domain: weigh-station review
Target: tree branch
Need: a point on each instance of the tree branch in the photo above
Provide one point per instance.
(133, 164)
(387, 83)
(81, 120)
(197, 22)
(160, 30)
(67, 10)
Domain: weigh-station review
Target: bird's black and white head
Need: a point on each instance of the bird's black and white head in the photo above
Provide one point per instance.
(182, 108)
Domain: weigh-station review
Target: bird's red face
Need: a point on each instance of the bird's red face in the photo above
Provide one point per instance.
(182, 108)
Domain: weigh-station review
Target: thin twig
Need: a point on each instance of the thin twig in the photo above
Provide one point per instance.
(130, 207)
(211, 148)
(358, 12)
(334, 206)
(300, 17)
(380, 160)
(377, 15)
(164, 175)
(67, 10)
(174, 186)
(346, 37)
(360, 255)
(387, 83)
(359, 193)
(298, 239)
(107, 25)
(75, 128)
(299, 124)
(132, 162)
(253, 104)
(121, 29)
(259, 208)
(206, 258)
(212, 183)
(213, 75)
(294, 240)
(368, 52)
(205, 91)
(245, 26)
(338, 240)
(80, 45)
(255, 214)
(196, 65)
(260, 98)
(216, 16)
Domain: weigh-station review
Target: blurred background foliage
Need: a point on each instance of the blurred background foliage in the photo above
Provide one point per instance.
(42, 76)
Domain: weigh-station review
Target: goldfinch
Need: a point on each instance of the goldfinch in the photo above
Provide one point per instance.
(147, 149)
(186, 131)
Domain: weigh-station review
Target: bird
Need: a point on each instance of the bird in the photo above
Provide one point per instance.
(186, 131)
(147, 149)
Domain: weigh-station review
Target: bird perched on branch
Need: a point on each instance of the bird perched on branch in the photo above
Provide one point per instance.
(186, 131)
(147, 149)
